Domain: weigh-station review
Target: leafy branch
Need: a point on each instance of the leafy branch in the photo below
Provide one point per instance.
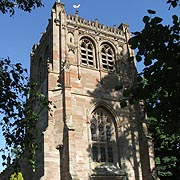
(158, 47)
(9, 6)
(19, 117)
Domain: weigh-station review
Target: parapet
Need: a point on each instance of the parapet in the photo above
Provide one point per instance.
(95, 25)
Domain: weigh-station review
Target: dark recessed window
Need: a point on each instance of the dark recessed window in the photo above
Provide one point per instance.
(102, 136)
(107, 57)
(87, 53)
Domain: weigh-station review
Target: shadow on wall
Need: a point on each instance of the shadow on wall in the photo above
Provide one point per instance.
(128, 128)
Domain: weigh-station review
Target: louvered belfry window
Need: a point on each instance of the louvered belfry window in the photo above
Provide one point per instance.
(107, 57)
(102, 136)
(87, 53)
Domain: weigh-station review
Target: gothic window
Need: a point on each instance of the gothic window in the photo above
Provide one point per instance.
(87, 53)
(45, 62)
(40, 71)
(42, 66)
(107, 57)
(102, 136)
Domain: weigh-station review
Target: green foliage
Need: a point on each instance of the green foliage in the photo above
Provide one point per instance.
(167, 148)
(158, 85)
(16, 176)
(18, 118)
(17, 97)
(173, 3)
(158, 45)
(9, 6)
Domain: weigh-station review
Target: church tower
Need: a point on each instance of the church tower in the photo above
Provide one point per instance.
(87, 135)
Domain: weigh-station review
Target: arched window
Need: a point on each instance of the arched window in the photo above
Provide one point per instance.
(107, 57)
(87, 53)
(45, 62)
(40, 71)
(103, 136)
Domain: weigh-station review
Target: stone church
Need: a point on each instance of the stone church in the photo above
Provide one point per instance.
(87, 135)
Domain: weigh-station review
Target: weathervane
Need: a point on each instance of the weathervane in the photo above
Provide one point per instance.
(76, 6)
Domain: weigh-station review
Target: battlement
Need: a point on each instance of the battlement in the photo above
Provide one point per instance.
(78, 21)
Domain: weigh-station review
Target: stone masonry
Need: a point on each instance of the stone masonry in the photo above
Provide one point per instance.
(77, 88)
(78, 64)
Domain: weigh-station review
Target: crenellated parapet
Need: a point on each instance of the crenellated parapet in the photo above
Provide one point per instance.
(94, 25)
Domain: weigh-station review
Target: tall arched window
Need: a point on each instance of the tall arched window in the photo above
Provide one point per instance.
(103, 136)
(40, 71)
(87, 53)
(107, 57)
(45, 62)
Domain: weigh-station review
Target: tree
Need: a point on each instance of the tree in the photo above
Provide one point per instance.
(17, 176)
(17, 95)
(9, 6)
(18, 122)
(158, 85)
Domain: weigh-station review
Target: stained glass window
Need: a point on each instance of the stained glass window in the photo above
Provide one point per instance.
(95, 153)
(93, 132)
(102, 136)
(110, 154)
(103, 154)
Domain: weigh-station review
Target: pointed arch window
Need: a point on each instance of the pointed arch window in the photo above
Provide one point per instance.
(107, 57)
(87, 53)
(40, 71)
(102, 136)
(45, 62)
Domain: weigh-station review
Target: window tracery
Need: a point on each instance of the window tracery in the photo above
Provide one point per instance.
(107, 57)
(87, 53)
(102, 136)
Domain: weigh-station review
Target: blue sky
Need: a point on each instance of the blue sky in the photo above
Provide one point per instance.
(20, 32)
